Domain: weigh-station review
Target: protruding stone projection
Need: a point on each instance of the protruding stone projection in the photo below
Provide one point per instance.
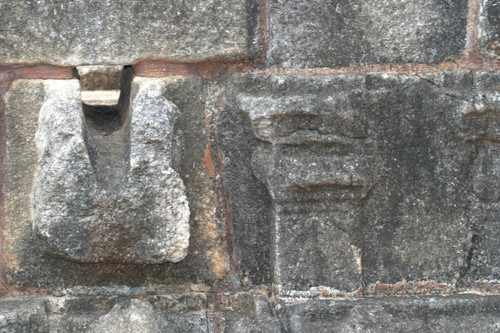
(373, 178)
(318, 171)
(489, 28)
(27, 265)
(317, 33)
(102, 32)
(105, 189)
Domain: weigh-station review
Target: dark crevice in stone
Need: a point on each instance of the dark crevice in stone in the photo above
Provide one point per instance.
(475, 239)
(252, 9)
(106, 136)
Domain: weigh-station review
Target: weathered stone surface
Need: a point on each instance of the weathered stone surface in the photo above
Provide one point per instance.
(23, 316)
(484, 127)
(248, 198)
(373, 178)
(109, 194)
(489, 28)
(402, 314)
(242, 312)
(100, 77)
(124, 32)
(164, 313)
(26, 265)
(341, 33)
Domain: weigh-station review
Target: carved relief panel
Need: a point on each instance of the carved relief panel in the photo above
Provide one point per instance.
(371, 177)
(316, 159)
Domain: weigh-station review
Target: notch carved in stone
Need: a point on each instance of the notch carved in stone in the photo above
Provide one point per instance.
(106, 190)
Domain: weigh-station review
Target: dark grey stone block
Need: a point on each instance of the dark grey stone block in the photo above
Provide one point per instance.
(372, 178)
(248, 198)
(125, 32)
(489, 28)
(338, 33)
(402, 314)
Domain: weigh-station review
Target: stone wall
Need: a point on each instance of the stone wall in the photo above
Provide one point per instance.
(250, 166)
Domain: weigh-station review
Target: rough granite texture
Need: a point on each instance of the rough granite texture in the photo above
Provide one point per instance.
(340, 33)
(373, 178)
(244, 312)
(23, 316)
(402, 314)
(162, 313)
(205, 169)
(248, 198)
(71, 33)
(28, 266)
(138, 212)
(489, 28)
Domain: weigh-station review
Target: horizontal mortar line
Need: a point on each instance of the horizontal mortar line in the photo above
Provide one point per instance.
(402, 68)
(14, 72)
(207, 70)
(224, 69)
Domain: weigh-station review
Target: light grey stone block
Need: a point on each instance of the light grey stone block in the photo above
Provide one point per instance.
(319, 33)
(86, 32)
(105, 189)
(170, 313)
(27, 265)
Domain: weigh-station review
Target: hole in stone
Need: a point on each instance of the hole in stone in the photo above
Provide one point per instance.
(105, 95)
(105, 104)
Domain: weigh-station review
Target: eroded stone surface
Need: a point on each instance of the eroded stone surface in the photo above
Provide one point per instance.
(248, 198)
(246, 312)
(26, 265)
(402, 314)
(372, 175)
(23, 316)
(137, 212)
(242, 312)
(342, 33)
(163, 313)
(123, 32)
(489, 28)
(484, 124)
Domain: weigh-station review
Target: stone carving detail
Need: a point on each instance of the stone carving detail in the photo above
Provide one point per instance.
(486, 167)
(315, 160)
(478, 122)
(109, 194)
